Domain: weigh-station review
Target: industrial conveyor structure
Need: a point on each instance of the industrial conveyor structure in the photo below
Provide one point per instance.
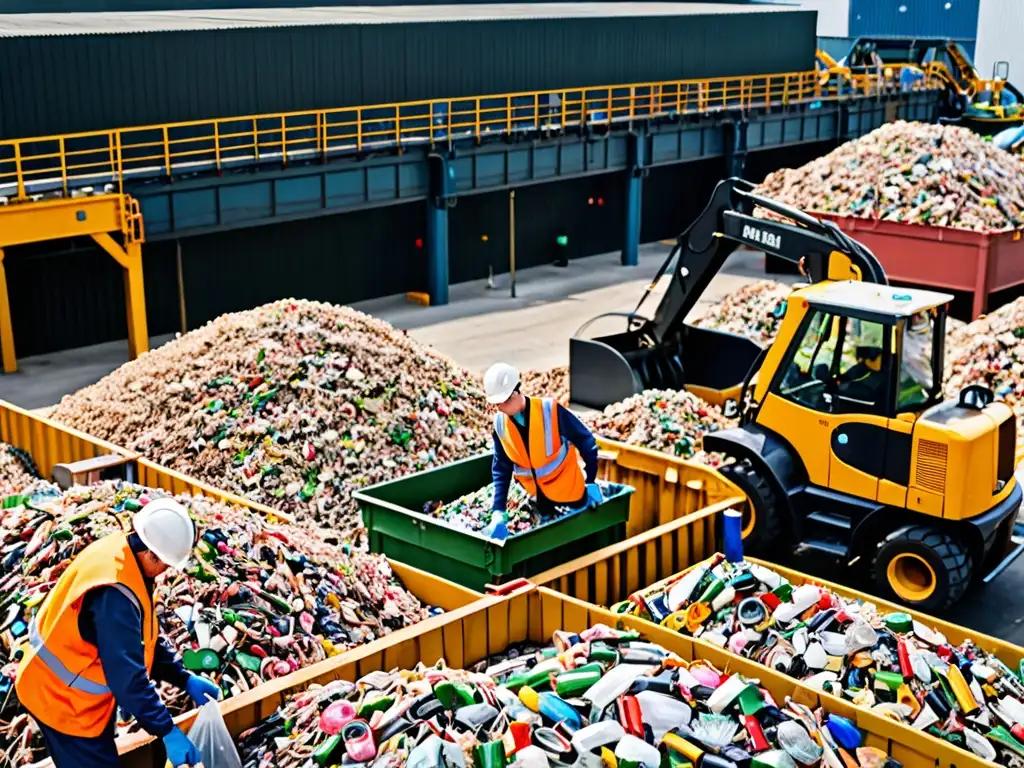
(96, 216)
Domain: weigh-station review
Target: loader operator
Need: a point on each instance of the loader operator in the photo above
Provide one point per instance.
(540, 443)
(95, 645)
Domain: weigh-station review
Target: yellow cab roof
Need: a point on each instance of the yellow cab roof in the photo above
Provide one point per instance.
(869, 300)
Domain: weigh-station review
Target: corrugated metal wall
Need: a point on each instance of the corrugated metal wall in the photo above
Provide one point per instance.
(82, 292)
(1001, 37)
(956, 19)
(78, 83)
(341, 259)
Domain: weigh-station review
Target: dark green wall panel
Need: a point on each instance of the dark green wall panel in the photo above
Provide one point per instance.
(71, 294)
(78, 83)
(340, 259)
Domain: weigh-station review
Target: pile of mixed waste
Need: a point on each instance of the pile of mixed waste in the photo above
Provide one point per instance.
(294, 404)
(887, 662)
(919, 173)
(600, 697)
(257, 601)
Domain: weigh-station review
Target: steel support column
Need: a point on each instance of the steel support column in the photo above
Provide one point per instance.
(95, 217)
(437, 253)
(440, 197)
(635, 147)
(10, 359)
(735, 146)
(130, 259)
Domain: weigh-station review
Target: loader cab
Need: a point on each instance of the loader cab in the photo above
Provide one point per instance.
(858, 363)
(863, 348)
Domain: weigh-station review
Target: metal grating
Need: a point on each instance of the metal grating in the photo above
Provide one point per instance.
(931, 466)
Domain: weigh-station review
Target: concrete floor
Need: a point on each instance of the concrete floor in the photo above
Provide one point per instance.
(482, 325)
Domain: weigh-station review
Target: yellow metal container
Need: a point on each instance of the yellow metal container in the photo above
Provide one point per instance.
(611, 575)
(49, 443)
(470, 634)
(667, 487)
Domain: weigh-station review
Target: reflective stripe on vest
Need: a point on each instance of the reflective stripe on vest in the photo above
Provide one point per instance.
(56, 666)
(548, 411)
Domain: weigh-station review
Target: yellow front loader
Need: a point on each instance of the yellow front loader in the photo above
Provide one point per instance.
(845, 444)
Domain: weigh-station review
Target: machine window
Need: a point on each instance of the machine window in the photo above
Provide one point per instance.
(806, 377)
(916, 373)
(839, 366)
(860, 376)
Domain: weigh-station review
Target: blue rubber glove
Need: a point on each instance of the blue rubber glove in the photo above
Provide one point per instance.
(594, 496)
(497, 529)
(180, 749)
(199, 688)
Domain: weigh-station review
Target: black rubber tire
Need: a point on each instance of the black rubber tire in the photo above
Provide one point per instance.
(949, 559)
(768, 522)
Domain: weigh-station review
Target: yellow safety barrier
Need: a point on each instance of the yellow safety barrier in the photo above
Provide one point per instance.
(71, 161)
(49, 443)
(667, 487)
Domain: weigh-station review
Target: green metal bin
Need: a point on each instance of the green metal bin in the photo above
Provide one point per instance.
(397, 528)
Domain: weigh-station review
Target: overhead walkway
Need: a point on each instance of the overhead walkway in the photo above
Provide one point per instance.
(60, 165)
(201, 176)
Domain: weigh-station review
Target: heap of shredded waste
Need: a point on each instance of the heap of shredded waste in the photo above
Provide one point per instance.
(669, 421)
(939, 175)
(294, 404)
(754, 311)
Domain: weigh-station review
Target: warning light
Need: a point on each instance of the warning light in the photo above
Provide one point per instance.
(600, 201)
(590, 201)
(562, 240)
(419, 242)
(484, 238)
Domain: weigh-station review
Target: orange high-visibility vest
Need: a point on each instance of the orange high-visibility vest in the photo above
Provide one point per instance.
(548, 462)
(60, 680)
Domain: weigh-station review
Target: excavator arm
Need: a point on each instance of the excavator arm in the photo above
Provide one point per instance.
(664, 352)
(819, 248)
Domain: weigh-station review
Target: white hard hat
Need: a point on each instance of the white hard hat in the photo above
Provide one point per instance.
(167, 531)
(500, 382)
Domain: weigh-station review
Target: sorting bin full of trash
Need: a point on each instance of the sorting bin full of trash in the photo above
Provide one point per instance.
(393, 513)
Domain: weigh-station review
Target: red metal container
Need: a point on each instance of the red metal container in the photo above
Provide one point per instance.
(942, 257)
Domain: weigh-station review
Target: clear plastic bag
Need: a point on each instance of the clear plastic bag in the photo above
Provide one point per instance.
(210, 735)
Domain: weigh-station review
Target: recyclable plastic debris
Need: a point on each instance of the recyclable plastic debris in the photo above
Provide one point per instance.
(990, 351)
(258, 600)
(886, 662)
(18, 472)
(472, 512)
(669, 421)
(754, 311)
(512, 710)
(553, 383)
(938, 175)
(294, 404)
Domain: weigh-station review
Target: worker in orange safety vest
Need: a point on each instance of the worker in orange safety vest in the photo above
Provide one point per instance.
(542, 445)
(95, 644)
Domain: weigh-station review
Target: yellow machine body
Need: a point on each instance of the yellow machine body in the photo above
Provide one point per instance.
(954, 453)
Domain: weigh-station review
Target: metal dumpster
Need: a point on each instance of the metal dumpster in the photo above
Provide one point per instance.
(397, 528)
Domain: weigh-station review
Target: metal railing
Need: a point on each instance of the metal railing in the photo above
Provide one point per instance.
(63, 165)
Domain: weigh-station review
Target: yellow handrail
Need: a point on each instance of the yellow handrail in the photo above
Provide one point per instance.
(72, 161)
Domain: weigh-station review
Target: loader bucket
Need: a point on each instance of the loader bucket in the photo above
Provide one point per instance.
(710, 363)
